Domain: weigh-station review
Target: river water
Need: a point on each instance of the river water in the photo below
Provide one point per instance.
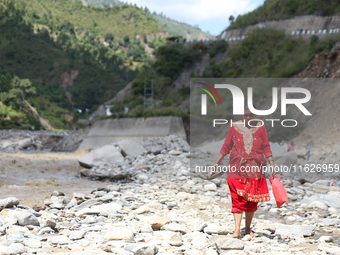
(32, 177)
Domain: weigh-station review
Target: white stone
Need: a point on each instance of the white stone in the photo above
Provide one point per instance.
(175, 227)
(119, 233)
(75, 235)
(110, 207)
(59, 240)
(146, 228)
(230, 244)
(16, 248)
(210, 187)
(326, 239)
(33, 243)
(142, 209)
(317, 204)
(25, 218)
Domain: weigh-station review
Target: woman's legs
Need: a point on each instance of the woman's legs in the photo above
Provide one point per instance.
(238, 219)
(249, 217)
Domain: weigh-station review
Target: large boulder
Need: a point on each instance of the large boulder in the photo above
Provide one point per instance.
(27, 142)
(25, 218)
(331, 199)
(8, 202)
(282, 157)
(297, 230)
(70, 142)
(106, 154)
(131, 147)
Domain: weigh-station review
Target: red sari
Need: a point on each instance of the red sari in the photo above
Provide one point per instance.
(246, 179)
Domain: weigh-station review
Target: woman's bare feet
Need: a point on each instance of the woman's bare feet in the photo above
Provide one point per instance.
(249, 232)
(236, 234)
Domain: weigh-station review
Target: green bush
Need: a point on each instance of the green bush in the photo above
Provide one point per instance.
(172, 59)
(218, 47)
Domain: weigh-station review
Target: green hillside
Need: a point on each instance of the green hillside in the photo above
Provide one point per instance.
(102, 3)
(171, 26)
(75, 56)
(174, 27)
(281, 9)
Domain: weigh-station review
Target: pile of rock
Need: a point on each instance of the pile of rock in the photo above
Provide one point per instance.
(134, 160)
(169, 210)
(14, 140)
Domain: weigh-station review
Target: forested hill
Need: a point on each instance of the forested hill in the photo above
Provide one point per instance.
(75, 56)
(281, 9)
(180, 28)
(171, 26)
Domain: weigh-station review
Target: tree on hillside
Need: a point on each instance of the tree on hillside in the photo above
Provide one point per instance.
(231, 18)
(18, 92)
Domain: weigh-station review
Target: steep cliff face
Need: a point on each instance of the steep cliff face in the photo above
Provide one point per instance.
(322, 129)
(197, 68)
(323, 65)
(321, 132)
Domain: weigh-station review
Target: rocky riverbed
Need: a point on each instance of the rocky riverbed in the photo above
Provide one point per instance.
(158, 205)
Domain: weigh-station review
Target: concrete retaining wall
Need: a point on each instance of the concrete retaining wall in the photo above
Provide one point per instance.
(110, 131)
(304, 26)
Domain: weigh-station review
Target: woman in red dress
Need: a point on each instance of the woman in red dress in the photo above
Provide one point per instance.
(247, 143)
